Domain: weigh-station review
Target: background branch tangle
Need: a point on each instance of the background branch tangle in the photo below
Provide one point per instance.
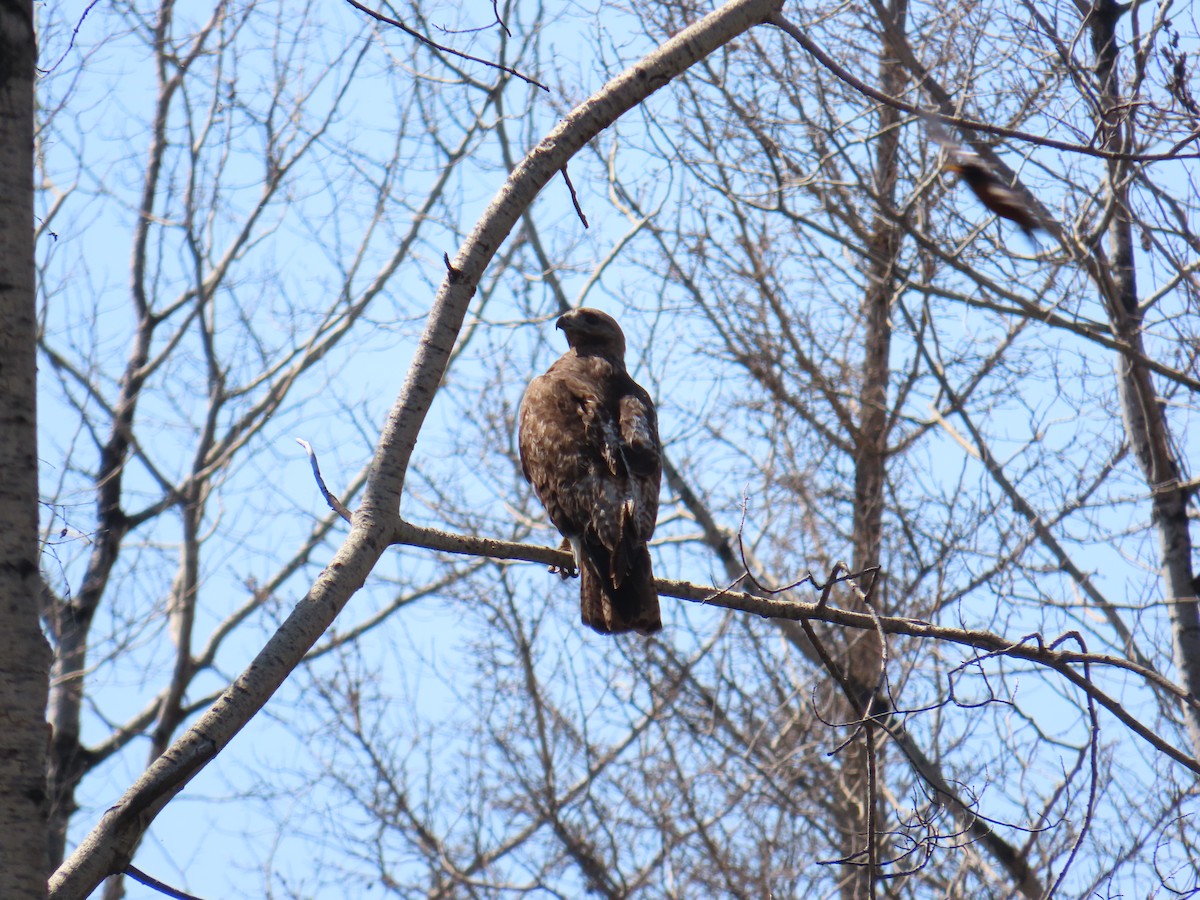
(1008, 461)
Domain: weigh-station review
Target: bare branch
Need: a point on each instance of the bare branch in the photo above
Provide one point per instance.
(105, 850)
(396, 23)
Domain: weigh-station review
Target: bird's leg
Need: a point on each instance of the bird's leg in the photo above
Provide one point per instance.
(566, 572)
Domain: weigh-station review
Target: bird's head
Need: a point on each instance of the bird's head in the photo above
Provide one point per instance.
(591, 332)
(968, 165)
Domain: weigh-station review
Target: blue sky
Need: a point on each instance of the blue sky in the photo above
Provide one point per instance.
(212, 841)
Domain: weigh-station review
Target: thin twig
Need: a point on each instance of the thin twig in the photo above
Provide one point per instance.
(1093, 759)
(334, 503)
(396, 23)
(152, 882)
(811, 47)
(574, 198)
(70, 46)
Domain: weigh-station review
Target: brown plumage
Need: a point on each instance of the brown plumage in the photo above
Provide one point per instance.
(992, 192)
(589, 444)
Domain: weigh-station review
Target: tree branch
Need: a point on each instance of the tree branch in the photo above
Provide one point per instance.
(106, 850)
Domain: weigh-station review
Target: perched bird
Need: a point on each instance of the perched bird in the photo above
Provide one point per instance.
(992, 192)
(589, 443)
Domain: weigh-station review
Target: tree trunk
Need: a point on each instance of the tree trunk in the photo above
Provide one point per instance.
(24, 655)
(1142, 410)
(865, 652)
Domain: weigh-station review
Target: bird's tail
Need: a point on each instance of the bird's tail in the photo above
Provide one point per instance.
(632, 605)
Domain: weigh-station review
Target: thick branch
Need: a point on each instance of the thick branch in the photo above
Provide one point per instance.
(106, 850)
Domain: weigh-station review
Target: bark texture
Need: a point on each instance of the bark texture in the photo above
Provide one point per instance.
(24, 656)
(1142, 409)
(861, 843)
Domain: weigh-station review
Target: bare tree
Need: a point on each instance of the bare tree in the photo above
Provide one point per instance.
(800, 168)
(375, 524)
(207, 352)
(927, 482)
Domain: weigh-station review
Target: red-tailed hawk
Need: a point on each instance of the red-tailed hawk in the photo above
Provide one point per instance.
(994, 193)
(589, 446)
(985, 183)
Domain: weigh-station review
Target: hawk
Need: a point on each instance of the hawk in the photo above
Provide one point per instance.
(588, 436)
(994, 193)
(985, 183)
